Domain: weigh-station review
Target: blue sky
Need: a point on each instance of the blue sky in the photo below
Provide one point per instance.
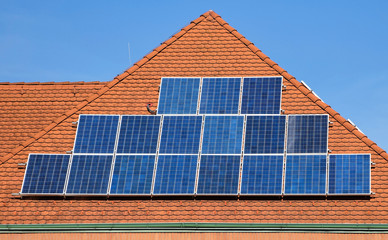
(339, 48)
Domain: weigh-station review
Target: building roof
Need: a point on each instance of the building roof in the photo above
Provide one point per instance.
(208, 46)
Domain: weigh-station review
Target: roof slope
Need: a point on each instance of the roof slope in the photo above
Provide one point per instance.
(206, 47)
(26, 108)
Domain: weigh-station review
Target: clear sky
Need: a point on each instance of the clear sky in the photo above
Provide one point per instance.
(339, 48)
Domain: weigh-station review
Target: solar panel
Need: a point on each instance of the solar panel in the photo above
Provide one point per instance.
(307, 133)
(262, 174)
(218, 174)
(175, 174)
(220, 96)
(305, 174)
(89, 174)
(132, 174)
(138, 134)
(265, 134)
(96, 134)
(181, 134)
(261, 95)
(222, 134)
(45, 174)
(179, 96)
(349, 174)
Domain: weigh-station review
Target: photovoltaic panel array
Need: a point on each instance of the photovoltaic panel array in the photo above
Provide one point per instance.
(211, 136)
(89, 174)
(133, 174)
(349, 174)
(178, 96)
(307, 133)
(261, 95)
(265, 134)
(45, 174)
(220, 96)
(175, 174)
(181, 134)
(262, 174)
(222, 135)
(218, 174)
(96, 134)
(305, 174)
(139, 134)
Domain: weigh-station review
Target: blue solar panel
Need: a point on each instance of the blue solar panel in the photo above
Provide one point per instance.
(138, 134)
(181, 134)
(307, 134)
(265, 134)
(45, 173)
(305, 174)
(222, 134)
(96, 134)
(262, 174)
(261, 95)
(133, 174)
(179, 96)
(218, 174)
(220, 96)
(175, 174)
(349, 174)
(89, 174)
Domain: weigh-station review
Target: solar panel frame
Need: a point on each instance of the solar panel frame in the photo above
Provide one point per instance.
(262, 194)
(176, 194)
(162, 145)
(94, 115)
(350, 194)
(219, 194)
(205, 151)
(288, 133)
(119, 135)
(237, 112)
(284, 130)
(67, 193)
(21, 193)
(280, 96)
(304, 194)
(113, 173)
(160, 94)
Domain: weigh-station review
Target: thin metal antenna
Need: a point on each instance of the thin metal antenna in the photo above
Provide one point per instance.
(129, 55)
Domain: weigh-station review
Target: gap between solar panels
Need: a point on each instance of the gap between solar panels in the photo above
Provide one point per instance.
(211, 136)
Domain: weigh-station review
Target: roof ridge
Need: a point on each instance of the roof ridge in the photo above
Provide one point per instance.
(53, 83)
(301, 87)
(105, 88)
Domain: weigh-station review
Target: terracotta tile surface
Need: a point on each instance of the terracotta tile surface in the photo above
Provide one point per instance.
(206, 47)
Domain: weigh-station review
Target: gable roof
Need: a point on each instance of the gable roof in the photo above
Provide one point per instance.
(169, 42)
(206, 47)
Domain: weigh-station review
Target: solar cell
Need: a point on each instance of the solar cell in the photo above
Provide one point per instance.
(220, 96)
(132, 174)
(262, 174)
(218, 174)
(261, 95)
(96, 134)
(265, 134)
(222, 134)
(138, 134)
(179, 96)
(89, 174)
(305, 174)
(175, 174)
(45, 174)
(181, 134)
(349, 174)
(307, 133)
